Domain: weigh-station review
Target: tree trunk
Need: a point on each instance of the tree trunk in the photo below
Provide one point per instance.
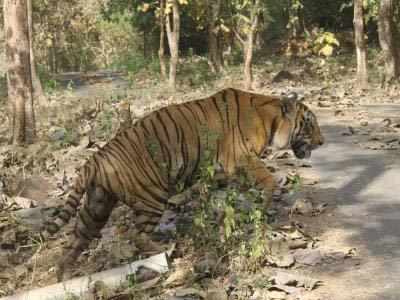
(386, 30)
(173, 32)
(53, 57)
(144, 44)
(161, 51)
(229, 40)
(19, 78)
(294, 25)
(214, 52)
(361, 53)
(213, 59)
(248, 44)
(248, 58)
(38, 93)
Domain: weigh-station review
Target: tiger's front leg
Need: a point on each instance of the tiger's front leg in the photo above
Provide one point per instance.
(258, 172)
(92, 217)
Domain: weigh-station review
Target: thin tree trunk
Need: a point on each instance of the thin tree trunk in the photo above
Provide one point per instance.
(227, 52)
(386, 30)
(295, 8)
(248, 44)
(38, 93)
(144, 44)
(173, 33)
(19, 79)
(248, 72)
(161, 51)
(214, 52)
(361, 52)
(54, 55)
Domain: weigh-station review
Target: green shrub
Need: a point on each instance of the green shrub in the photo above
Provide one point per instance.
(105, 124)
(132, 63)
(231, 220)
(196, 71)
(50, 86)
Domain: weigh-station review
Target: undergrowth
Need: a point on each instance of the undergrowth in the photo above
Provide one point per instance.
(230, 221)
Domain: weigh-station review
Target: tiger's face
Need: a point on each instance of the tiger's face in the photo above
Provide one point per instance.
(306, 135)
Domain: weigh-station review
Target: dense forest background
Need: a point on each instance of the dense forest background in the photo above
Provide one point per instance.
(83, 36)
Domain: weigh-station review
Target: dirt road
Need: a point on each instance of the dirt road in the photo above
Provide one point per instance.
(364, 185)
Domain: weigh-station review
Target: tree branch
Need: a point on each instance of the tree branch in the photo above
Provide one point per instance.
(168, 28)
(238, 37)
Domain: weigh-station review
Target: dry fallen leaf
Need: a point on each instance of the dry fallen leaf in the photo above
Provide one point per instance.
(297, 280)
(302, 207)
(178, 277)
(279, 254)
(310, 257)
(190, 291)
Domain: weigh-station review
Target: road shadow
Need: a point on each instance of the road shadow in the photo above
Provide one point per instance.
(364, 187)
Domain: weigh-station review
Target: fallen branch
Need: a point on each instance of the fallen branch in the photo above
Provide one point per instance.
(80, 285)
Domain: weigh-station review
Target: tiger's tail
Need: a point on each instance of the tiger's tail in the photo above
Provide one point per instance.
(72, 202)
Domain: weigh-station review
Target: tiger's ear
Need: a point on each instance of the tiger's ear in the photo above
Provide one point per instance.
(289, 103)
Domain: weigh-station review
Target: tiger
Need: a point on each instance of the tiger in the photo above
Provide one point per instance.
(143, 165)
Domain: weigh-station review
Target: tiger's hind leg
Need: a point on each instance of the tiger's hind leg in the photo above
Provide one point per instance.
(92, 217)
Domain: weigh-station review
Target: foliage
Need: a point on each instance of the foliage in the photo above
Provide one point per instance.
(83, 35)
(206, 164)
(132, 63)
(63, 26)
(105, 126)
(118, 41)
(293, 24)
(330, 15)
(50, 86)
(242, 12)
(294, 183)
(71, 137)
(371, 8)
(231, 220)
(74, 35)
(196, 72)
(325, 43)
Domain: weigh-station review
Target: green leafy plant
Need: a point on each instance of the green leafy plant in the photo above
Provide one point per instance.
(71, 137)
(131, 278)
(105, 124)
(232, 220)
(50, 86)
(295, 182)
(325, 43)
(371, 8)
(197, 72)
(207, 168)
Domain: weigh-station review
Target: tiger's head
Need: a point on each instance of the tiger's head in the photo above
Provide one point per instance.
(298, 128)
(306, 135)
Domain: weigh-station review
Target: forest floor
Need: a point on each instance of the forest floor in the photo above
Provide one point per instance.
(335, 232)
